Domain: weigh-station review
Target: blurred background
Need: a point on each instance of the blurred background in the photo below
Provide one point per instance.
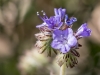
(18, 19)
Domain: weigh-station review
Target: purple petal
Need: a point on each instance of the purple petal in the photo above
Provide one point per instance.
(67, 32)
(86, 33)
(54, 22)
(58, 22)
(66, 18)
(72, 41)
(82, 27)
(57, 19)
(73, 19)
(50, 22)
(70, 31)
(67, 47)
(64, 33)
(60, 46)
(56, 11)
(70, 21)
(56, 45)
(60, 11)
(57, 33)
(63, 49)
(71, 38)
(83, 31)
(63, 12)
(59, 25)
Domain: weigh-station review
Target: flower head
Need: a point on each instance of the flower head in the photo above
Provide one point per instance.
(83, 31)
(56, 34)
(56, 22)
(63, 40)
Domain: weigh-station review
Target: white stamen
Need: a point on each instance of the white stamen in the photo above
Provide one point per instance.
(37, 13)
(42, 11)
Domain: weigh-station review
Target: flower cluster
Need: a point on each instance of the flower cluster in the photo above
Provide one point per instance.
(56, 34)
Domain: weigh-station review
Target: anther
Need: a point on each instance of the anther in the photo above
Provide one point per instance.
(37, 13)
(42, 11)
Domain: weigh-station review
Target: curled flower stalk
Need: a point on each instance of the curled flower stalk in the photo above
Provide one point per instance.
(56, 34)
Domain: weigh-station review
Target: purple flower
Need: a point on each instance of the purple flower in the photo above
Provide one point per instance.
(69, 21)
(44, 15)
(63, 40)
(57, 21)
(83, 31)
(54, 22)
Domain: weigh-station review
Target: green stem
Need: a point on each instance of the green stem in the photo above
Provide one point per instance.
(63, 69)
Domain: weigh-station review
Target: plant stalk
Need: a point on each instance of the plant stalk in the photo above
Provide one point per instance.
(63, 69)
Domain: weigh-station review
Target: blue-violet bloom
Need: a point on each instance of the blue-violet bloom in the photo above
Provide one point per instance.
(83, 31)
(63, 40)
(70, 21)
(54, 22)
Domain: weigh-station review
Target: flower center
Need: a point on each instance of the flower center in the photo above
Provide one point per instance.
(64, 39)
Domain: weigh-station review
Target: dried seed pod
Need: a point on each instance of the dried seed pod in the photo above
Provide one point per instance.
(41, 36)
(40, 44)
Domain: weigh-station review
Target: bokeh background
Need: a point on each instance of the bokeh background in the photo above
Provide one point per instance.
(18, 19)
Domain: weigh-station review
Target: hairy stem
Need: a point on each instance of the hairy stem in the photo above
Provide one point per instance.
(63, 69)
